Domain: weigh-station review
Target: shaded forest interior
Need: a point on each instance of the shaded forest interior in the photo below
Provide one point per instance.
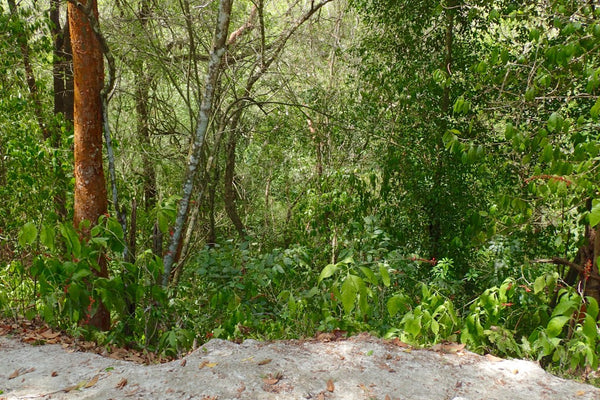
(428, 171)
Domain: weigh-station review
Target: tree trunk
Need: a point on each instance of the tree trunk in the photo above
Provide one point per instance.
(90, 188)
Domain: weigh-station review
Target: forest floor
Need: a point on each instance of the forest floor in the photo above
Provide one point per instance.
(42, 364)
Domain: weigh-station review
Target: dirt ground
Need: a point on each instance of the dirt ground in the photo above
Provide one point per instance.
(360, 367)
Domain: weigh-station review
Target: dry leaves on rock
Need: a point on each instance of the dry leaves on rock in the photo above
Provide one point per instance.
(21, 371)
(330, 386)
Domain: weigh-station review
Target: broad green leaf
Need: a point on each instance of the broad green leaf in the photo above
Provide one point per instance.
(348, 294)
(594, 215)
(435, 327)
(115, 227)
(595, 110)
(47, 236)
(329, 270)
(369, 274)
(555, 325)
(359, 283)
(548, 153)
(412, 325)
(27, 234)
(590, 329)
(82, 273)
(163, 221)
(395, 304)
(509, 131)
(554, 122)
(539, 284)
(71, 239)
(385, 275)
(565, 307)
(592, 307)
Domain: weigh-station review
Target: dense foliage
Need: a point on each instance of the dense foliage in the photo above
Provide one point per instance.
(420, 170)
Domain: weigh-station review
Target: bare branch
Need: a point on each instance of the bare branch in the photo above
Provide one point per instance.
(570, 264)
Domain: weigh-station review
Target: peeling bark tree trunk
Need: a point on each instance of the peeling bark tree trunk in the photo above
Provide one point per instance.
(90, 187)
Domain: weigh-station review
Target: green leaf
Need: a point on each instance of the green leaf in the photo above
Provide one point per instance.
(412, 325)
(509, 131)
(395, 304)
(554, 122)
(590, 329)
(71, 239)
(594, 215)
(82, 273)
(27, 234)
(595, 110)
(385, 275)
(329, 270)
(539, 284)
(47, 236)
(592, 307)
(548, 153)
(163, 221)
(555, 325)
(369, 274)
(348, 294)
(115, 227)
(435, 327)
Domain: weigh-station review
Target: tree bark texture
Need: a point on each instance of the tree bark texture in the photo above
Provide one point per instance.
(90, 186)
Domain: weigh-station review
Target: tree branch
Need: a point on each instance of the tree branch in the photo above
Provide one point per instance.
(570, 264)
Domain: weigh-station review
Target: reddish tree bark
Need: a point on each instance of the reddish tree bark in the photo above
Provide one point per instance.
(90, 188)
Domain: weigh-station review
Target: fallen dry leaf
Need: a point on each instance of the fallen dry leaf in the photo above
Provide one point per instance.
(272, 379)
(580, 393)
(183, 362)
(75, 387)
(263, 362)
(399, 343)
(92, 381)
(448, 347)
(493, 358)
(49, 334)
(330, 386)
(207, 364)
(20, 371)
(121, 384)
(54, 374)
